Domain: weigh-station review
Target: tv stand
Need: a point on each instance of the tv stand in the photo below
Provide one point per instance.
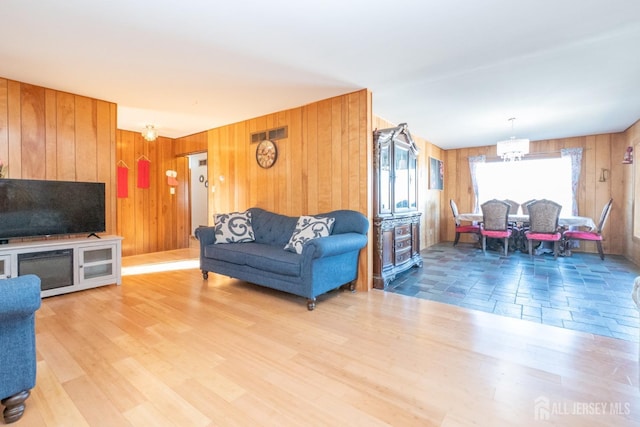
(94, 235)
(93, 262)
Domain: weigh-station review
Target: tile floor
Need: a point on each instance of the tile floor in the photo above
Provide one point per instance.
(579, 292)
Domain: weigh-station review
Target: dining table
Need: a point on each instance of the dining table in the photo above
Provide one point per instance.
(564, 220)
(518, 239)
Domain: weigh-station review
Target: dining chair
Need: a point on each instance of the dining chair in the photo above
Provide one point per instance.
(495, 222)
(592, 235)
(543, 224)
(525, 206)
(514, 206)
(460, 228)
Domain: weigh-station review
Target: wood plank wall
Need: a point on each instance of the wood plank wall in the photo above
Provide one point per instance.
(429, 201)
(48, 134)
(324, 163)
(599, 151)
(630, 179)
(152, 219)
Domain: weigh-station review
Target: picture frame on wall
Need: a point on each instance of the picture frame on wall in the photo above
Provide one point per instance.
(436, 174)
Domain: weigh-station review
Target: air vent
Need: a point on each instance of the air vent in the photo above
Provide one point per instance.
(258, 136)
(278, 133)
(272, 134)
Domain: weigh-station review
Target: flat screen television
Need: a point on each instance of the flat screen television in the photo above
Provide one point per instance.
(35, 208)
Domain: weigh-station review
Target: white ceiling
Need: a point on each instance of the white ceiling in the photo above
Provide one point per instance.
(454, 70)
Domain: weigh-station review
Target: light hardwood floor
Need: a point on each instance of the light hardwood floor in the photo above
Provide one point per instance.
(169, 349)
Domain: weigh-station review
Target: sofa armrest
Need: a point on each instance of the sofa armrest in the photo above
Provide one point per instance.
(19, 296)
(206, 235)
(334, 245)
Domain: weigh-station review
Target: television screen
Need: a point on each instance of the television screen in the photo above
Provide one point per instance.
(30, 208)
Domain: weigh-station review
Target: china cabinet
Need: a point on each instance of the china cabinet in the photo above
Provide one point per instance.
(396, 220)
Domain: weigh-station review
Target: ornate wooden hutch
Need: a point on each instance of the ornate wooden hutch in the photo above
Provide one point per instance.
(396, 221)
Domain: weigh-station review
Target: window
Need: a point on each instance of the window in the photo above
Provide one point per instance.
(525, 180)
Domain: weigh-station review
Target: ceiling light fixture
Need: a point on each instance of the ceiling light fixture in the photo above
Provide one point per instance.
(512, 149)
(150, 133)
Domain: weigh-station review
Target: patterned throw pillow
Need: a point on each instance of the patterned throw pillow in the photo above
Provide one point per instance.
(234, 227)
(308, 228)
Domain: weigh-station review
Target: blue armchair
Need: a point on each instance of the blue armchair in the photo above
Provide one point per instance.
(19, 300)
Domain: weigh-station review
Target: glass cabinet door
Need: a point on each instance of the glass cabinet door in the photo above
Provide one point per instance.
(413, 183)
(384, 181)
(401, 182)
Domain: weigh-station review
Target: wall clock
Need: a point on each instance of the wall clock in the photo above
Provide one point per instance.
(266, 153)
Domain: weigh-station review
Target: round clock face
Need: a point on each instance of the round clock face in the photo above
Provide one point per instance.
(266, 153)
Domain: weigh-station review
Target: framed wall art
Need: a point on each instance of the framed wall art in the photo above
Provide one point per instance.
(436, 174)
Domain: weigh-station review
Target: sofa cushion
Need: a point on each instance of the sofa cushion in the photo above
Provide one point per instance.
(257, 255)
(234, 227)
(307, 228)
(271, 228)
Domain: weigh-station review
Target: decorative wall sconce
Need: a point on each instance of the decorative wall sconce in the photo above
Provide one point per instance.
(628, 156)
(150, 133)
(604, 174)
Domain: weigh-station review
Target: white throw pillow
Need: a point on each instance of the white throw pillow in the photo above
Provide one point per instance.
(234, 227)
(308, 228)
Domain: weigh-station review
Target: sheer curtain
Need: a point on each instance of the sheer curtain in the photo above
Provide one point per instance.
(576, 164)
(473, 167)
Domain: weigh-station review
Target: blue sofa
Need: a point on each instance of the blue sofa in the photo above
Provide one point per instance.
(325, 263)
(19, 300)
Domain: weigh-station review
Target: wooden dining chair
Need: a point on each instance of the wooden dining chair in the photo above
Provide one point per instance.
(525, 206)
(514, 206)
(495, 222)
(460, 228)
(543, 224)
(592, 235)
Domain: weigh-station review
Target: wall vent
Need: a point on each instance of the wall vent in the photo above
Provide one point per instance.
(258, 136)
(272, 134)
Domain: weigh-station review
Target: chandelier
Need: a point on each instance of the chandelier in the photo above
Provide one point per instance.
(150, 133)
(512, 149)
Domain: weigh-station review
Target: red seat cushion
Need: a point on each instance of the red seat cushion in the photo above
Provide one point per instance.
(496, 234)
(467, 229)
(550, 237)
(582, 235)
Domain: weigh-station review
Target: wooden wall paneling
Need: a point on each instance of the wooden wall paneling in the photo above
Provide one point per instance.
(51, 134)
(323, 162)
(126, 216)
(602, 190)
(169, 217)
(105, 159)
(295, 143)
(32, 129)
(14, 158)
(213, 170)
(616, 234)
(65, 138)
(245, 158)
(86, 138)
(340, 138)
(191, 144)
(157, 188)
(141, 196)
(312, 158)
(4, 121)
(357, 152)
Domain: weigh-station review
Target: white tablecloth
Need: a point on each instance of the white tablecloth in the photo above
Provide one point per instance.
(578, 221)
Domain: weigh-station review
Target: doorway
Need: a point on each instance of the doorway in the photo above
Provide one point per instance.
(199, 194)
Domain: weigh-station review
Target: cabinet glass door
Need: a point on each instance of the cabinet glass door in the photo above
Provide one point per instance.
(401, 185)
(413, 187)
(384, 180)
